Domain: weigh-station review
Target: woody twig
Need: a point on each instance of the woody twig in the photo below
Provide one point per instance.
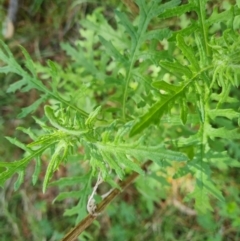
(87, 221)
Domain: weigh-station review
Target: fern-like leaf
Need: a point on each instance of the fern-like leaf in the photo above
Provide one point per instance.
(155, 113)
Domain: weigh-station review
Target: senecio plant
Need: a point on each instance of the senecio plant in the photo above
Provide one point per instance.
(134, 92)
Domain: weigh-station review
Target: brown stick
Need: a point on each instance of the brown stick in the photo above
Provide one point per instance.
(132, 6)
(76, 231)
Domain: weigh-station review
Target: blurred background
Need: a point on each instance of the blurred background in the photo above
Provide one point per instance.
(138, 214)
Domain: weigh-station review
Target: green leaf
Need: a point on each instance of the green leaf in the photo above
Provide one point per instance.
(192, 140)
(158, 34)
(163, 85)
(130, 29)
(155, 112)
(176, 69)
(227, 113)
(181, 172)
(222, 160)
(213, 190)
(16, 142)
(188, 53)
(92, 117)
(177, 11)
(223, 133)
(69, 181)
(160, 179)
(79, 57)
(135, 36)
(19, 180)
(112, 163)
(154, 153)
(185, 31)
(54, 120)
(45, 139)
(202, 51)
(76, 210)
(204, 187)
(202, 202)
(201, 11)
(112, 51)
(16, 86)
(27, 82)
(29, 62)
(55, 161)
(176, 119)
(28, 132)
(228, 99)
(54, 70)
(80, 208)
(223, 16)
(64, 195)
(12, 167)
(158, 9)
(127, 163)
(5, 52)
(32, 107)
(184, 111)
(37, 170)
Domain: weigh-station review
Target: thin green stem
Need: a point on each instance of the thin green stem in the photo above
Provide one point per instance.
(202, 17)
(82, 112)
(57, 97)
(133, 59)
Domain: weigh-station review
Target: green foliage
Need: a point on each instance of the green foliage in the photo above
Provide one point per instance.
(122, 100)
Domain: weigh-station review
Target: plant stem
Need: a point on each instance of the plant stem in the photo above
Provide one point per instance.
(87, 221)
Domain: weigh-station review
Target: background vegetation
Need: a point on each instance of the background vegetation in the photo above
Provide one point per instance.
(47, 29)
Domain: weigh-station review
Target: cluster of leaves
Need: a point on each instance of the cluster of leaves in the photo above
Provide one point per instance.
(136, 83)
